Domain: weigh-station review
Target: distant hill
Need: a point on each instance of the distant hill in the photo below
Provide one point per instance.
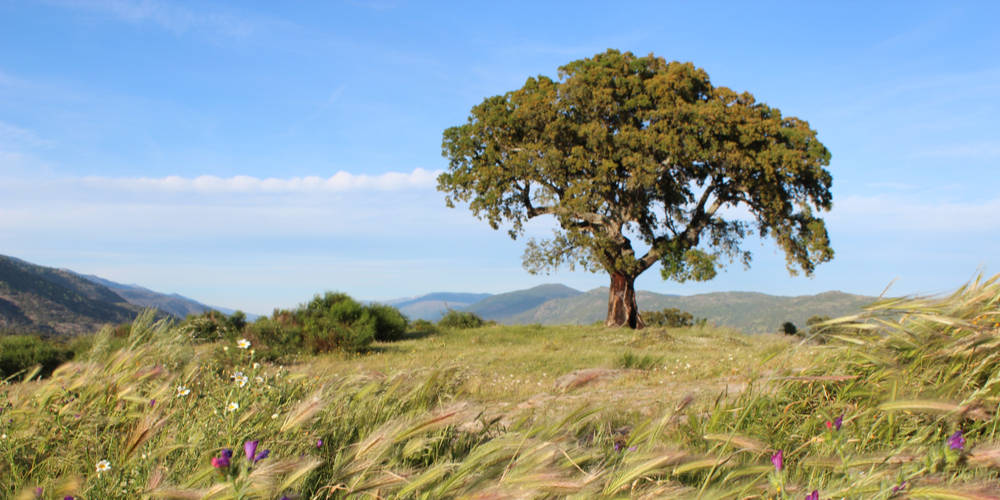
(37, 299)
(432, 305)
(749, 312)
(505, 305)
(175, 304)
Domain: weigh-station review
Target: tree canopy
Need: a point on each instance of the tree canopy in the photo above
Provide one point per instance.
(623, 147)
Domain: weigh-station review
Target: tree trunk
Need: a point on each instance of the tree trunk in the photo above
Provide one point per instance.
(622, 308)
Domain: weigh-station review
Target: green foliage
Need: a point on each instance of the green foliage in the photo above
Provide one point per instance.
(624, 147)
(390, 323)
(334, 321)
(631, 361)
(423, 326)
(214, 325)
(669, 318)
(461, 320)
(789, 328)
(21, 353)
(273, 340)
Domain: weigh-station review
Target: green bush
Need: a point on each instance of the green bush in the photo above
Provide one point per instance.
(335, 321)
(214, 325)
(423, 326)
(390, 324)
(272, 340)
(22, 352)
(461, 320)
(789, 328)
(669, 318)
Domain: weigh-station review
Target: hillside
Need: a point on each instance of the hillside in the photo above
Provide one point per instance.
(37, 299)
(505, 305)
(175, 304)
(432, 305)
(749, 312)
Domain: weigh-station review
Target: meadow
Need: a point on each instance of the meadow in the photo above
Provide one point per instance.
(898, 402)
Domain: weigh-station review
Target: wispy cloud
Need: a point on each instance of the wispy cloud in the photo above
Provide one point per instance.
(894, 214)
(975, 151)
(171, 17)
(14, 137)
(208, 184)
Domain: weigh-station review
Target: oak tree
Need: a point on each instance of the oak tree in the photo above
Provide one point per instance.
(623, 147)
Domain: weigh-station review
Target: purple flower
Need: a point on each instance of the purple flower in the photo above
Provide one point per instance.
(777, 460)
(152, 403)
(319, 443)
(250, 447)
(956, 441)
(38, 492)
(813, 496)
(897, 489)
(223, 461)
(69, 497)
(839, 421)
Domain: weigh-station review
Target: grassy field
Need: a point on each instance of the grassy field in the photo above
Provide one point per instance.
(898, 403)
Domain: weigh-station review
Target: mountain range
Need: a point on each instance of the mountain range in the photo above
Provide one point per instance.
(49, 301)
(555, 304)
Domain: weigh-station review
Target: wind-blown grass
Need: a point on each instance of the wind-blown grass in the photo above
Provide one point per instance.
(899, 402)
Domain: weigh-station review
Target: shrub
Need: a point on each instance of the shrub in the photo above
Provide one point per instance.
(812, 322)
(335, 321)
(22, 352)
(390, 324)
(789, 328)
(461, 320)
(423, 326)
(272, 340)
(670, 318)
(214, 325)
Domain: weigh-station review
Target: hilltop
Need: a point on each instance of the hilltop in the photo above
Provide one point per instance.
(50, 301)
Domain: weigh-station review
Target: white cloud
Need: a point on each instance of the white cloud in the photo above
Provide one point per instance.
(171, 17)
(18, 138)
(241, 184)
(976, 151)
(893, 213)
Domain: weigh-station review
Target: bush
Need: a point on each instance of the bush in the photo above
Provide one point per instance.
(214, 325)
(789, 328)
(272, 340)
(670, 318)
(423, 326)
(461, 320)
(334, 321)
(390, 324)
(22, 352)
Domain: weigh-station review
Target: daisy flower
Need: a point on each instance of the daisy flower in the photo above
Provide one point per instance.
(241, 381)
(103, 466)
(183, 390)
(243, 344)
(232, 406)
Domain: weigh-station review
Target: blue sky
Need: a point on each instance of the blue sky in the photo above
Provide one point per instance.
(251, 154)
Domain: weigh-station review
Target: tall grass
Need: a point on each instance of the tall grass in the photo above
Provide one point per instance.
(900, 402)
